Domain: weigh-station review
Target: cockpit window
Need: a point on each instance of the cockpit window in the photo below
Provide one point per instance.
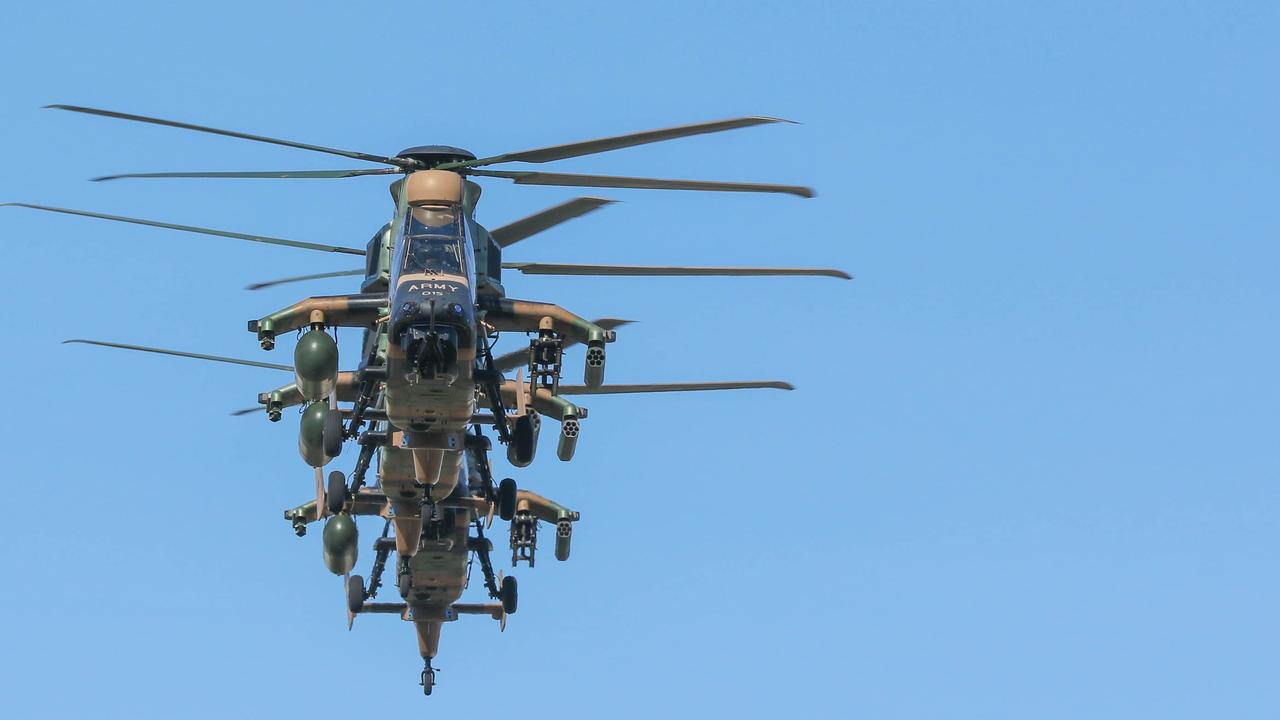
(373, 255)
(434, 255)
(434, 220)
(434, 242)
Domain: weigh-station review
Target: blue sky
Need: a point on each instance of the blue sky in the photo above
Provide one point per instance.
(1029, 469)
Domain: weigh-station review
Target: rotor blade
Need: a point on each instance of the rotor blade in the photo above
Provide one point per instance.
(300, 278)
(194, 229)
(512, 233)
(247, 411)
(179, 353)
(520, 358)
(674, 387)
(572, 180)
(398, 162)
(617, 142)
(267, 175)
(533, 268)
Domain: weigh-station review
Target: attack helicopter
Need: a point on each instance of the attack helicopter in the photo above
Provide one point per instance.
(431, 304)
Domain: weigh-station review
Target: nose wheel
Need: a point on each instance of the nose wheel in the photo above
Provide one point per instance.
(428, 681)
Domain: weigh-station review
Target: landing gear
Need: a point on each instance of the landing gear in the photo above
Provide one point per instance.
(336, 490)
(404, 579)
(507, 499)
(509, 594)
(355, 593)
(333, 434)
(428, 679)
(524, 439)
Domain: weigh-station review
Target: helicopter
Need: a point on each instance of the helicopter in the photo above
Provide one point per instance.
(435, 273)
(430, 304)
(436, 539)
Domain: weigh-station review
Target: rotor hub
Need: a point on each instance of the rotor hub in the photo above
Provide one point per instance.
(433, 155)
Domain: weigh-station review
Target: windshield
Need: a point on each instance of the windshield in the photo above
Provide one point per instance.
(434, 220)
(434, 255)
(434, 242)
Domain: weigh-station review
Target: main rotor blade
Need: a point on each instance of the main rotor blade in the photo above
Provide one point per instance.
(194, 229)
(617, 142)
(674, 387)
(514, 232)
(520, 358)
(267, 175)
(300, 278)
(179, 353)
(533, 268)
(398, 162)
(572, 180)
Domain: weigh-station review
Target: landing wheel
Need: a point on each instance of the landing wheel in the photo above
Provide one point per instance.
(333, 434)
(335, 492)
(404, 583)
(509, 595)
(507, 499)
(428, 681)
(355, 593)
(524, 440)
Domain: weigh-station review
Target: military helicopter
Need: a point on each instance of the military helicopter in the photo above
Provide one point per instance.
(435, 545)
(431, 301)
(423, 260)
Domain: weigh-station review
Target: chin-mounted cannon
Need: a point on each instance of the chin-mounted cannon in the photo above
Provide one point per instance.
(431, 336)
(431, 353)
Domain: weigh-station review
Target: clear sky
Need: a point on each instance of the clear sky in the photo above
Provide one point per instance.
(1030, 469)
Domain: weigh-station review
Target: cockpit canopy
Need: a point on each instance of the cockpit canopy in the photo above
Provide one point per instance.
(435, 241)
